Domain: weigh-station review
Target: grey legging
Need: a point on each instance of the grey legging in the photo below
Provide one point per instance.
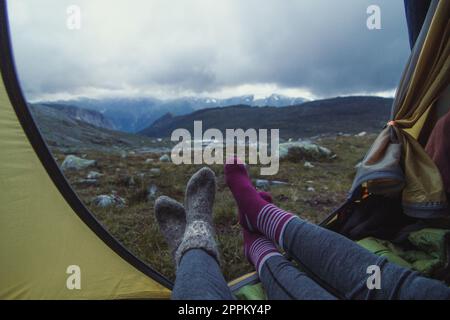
(337, 263)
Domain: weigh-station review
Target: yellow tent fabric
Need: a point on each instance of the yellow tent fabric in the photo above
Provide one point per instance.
(416, 95)
(41, 236)
(397, 159)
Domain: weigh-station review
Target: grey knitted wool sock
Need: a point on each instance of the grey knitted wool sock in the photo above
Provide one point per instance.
(171, 218)
(199, 200)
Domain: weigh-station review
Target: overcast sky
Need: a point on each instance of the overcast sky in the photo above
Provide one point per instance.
(216, 48)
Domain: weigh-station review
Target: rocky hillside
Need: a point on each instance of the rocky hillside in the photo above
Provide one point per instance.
(331, 116)
(92, 117)
(69, 129)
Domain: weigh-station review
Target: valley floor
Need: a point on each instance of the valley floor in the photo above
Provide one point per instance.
(311, 192)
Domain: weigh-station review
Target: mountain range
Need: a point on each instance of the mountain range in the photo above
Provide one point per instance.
(331, 116)
(72, 128)
(135, 114)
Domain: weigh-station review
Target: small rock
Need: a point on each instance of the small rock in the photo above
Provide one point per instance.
(308, 164)
(131, 153)
(72, 162)
(94, 175)
(87, 181)
(262, 184)
(159, 140)
(155, 171)
(278, 183)
(105, 201)
(266, 184)
(152, 191)
(362, 134)
(164, 158)
(149, 161)
(311, 189)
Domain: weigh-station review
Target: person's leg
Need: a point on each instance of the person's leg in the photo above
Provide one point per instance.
(336, 260)
(199, 278)
(345, 266)
(284, 281)
(280, 278)
(171, 218)
(190, 235)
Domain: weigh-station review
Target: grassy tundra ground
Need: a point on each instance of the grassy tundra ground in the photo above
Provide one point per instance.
(135, 226)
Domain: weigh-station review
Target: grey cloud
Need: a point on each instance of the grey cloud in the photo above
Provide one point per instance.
(322, 46)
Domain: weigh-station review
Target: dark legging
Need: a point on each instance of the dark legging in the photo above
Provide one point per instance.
(340, 266)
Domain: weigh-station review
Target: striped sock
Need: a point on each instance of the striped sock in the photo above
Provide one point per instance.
(243, 220)
(258, 249)
(271, 221)
(255, 212)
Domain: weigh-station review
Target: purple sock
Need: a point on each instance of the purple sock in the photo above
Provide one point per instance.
(271, 222)
(258, 249)
(247, 198)
(243, 219)
(257, 214)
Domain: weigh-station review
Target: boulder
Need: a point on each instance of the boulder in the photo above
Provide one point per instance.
(303, 150)
(72, 162)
